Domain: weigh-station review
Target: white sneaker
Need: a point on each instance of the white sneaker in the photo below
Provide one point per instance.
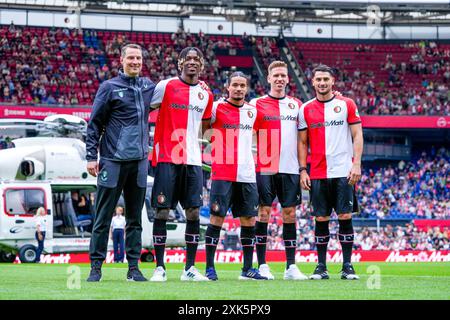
(264, 270)
(192, 274)
(159, 275)
(293, 273)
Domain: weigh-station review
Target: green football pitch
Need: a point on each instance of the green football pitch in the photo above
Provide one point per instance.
(392, 281)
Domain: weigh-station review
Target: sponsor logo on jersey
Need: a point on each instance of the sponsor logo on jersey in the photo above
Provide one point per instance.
(201, 96)
(337, 109)
(357, 113)
(250, 114)
(283, 118)
(187, 106)
(237, 126)
(161, 199)
(332, 123)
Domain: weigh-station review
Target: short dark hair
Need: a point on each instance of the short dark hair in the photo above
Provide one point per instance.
(323, 68)
(237, 74)
(123, 51)
(183, 54)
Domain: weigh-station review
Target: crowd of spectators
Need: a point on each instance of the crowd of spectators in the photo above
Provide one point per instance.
(65, 67)
(419, 188)
(49, 67)
(419, 85)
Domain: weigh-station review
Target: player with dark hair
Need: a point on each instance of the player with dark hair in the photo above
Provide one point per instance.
(333, 127)
(184, 104)
(233, 174)
(277, 167)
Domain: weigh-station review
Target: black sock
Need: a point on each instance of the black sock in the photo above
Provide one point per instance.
(261, 241)
(191, 236)
(322, 238)
(248, 243)
(346, 237)
(212, 236)
(159, 241)
(290, 242)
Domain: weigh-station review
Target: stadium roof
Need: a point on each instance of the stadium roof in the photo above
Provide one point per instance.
(265, 12)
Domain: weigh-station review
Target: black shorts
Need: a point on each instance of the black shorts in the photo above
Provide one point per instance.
(334, 193)
(241, 197)
(177, 183)
(282, 185)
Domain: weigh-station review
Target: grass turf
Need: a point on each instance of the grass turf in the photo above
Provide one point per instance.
(397, 281)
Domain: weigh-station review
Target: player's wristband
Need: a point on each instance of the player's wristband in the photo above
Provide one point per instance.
(301, 169)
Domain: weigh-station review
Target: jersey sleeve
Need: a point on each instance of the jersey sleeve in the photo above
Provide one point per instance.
(214, 110)
(158, 94)
(209, 106)
(352, 112)
(302, 124)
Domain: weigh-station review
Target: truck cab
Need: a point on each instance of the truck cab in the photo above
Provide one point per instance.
(67, 229)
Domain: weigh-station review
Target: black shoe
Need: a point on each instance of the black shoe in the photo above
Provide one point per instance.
(95, 275)
(134, 274)
(320, 272)
(251, 274)
(211, 274)
(348, 273)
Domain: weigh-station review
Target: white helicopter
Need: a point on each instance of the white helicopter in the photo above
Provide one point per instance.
(47, 170)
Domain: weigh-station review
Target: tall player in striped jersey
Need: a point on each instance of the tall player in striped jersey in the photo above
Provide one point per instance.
(184, 104)
(333, 128)
(278, 166)
(233, 174)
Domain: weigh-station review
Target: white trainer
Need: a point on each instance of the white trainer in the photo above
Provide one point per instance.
(159, 275)
(293, 273)
(192, 274)
(264, 270)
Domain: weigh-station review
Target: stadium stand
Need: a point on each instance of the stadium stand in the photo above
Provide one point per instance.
(60, 66)
(409, 78)
(57, 66)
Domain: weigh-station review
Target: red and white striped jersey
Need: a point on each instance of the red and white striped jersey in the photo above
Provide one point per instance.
(231, 142)
(182, 108)
(329, 135)
(276, 127)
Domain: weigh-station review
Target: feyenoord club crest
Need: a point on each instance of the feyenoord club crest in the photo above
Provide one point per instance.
(215, 207)
(291, 106)
(104, 175)
(200, 96)
(250, 114)
(161, 199)
(337, 109)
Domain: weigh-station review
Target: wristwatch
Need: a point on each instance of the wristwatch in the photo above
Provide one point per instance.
(301, 169)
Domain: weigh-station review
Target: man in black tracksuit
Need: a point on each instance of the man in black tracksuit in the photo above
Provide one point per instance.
(119, 124)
